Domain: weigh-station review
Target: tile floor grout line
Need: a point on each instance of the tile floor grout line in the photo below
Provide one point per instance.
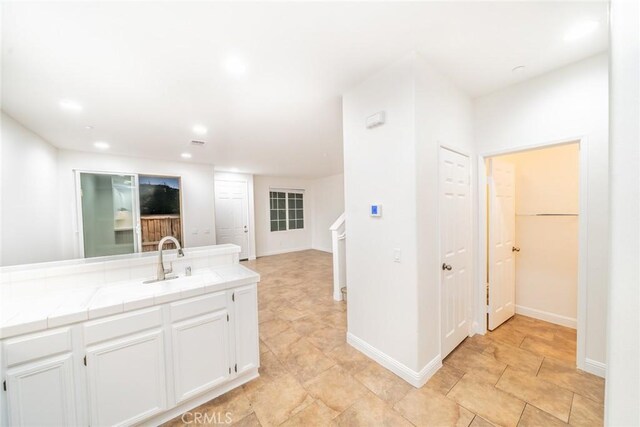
(501, 375)
(551, 415)
(456, 383)
(540, 367)
(522, 412)
(571, 407)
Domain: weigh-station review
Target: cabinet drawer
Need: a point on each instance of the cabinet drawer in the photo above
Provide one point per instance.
(196, 306)
(36, 346)
(121, 325)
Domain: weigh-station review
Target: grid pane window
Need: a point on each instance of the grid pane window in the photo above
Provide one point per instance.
(278, 210)
(286, 211)
(296, 215)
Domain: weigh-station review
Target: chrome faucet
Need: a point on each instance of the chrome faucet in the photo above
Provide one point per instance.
(162, 272)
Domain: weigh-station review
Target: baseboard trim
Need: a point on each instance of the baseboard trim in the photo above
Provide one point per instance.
(416, 379)
(594, 367)
(328, 250)
(284, 251)
(569, 322)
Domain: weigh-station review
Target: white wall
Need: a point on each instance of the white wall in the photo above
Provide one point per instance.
(29, 196)
(622, 392)
(444, 117)
(271, 243)
(394, 306)
(197, 181)
(248, 179)
(547, 181)
(328, 205)
(379, 167)
(566, 103)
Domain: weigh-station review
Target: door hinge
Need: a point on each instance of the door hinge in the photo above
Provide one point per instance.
(233, 297)
(235, 368)
(229, 370)
(85, 361)
(227, 317)
(4, 385)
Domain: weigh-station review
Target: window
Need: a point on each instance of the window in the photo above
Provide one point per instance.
(159, 210)
(286, 210)
(278, 210)
(110, 212)
(296, 216)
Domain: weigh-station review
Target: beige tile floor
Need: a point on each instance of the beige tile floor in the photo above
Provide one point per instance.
(521, 374)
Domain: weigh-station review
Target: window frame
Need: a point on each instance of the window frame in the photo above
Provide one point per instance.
(287, 218)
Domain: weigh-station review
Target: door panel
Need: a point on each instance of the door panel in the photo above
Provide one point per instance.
(42, 393)
(127, 380)
(200, 354)
(455, 243)
(502, 286)
(232, 215)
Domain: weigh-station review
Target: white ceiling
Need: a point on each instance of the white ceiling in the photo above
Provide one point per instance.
(147, 72)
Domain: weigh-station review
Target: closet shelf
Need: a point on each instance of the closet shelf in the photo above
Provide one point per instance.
(549, 214)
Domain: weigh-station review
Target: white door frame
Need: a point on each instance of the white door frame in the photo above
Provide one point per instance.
(581, 321)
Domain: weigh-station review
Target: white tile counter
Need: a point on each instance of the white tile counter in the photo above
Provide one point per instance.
(33, 313)
(41, 296)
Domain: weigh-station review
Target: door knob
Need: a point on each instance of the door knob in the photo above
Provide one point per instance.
(446, 267)
(514, 249)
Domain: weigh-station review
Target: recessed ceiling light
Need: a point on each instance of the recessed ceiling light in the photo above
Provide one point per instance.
(67, 104)
(580, 30)
(88, 127)
(235, 66)
(101, 145)
(199, 130)
(185, 155)
(519, 69)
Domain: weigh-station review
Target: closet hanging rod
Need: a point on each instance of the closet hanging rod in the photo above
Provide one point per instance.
(549, 214)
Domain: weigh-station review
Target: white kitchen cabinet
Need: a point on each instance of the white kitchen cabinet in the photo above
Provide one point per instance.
(42, 393)
(139, 366)
(200, 354)
(245, 320)
(126, 379)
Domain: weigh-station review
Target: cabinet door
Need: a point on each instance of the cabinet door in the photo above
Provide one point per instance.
(127, 379)
(42, 393)
(246, 328)
(200, 354)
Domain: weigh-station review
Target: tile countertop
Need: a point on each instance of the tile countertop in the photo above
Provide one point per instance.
(30, 314)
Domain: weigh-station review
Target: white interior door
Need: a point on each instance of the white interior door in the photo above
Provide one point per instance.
(455, 244)
(502, 230)
(232, 215)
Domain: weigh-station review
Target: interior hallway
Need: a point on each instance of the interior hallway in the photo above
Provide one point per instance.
(521, 374)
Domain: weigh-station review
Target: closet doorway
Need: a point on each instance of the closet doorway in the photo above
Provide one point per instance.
(533, 230)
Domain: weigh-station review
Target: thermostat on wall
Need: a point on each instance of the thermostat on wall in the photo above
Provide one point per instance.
(375, 210)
